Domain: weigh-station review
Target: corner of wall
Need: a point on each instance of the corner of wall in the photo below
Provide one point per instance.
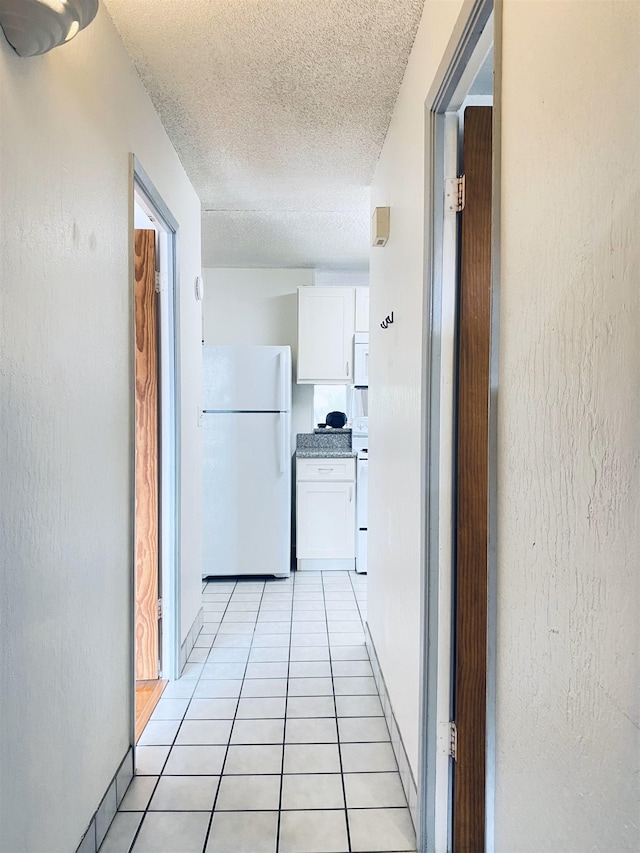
(192, 635)
(106, 811)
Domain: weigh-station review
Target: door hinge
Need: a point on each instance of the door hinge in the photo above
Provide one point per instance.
(159, 608)
(157, 281)
(453, 741)
(455, 194)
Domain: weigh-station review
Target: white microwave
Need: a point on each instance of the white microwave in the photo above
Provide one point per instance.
(361, 359)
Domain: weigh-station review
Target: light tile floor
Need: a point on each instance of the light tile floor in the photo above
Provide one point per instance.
(273, 740)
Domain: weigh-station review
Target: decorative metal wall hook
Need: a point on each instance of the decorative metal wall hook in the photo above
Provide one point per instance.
(388, 320)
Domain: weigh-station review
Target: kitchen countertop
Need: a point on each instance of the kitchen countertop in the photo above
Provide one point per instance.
(325, 453)
(324, 444)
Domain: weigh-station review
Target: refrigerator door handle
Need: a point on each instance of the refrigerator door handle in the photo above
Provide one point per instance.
(283, 381)
(282, 442)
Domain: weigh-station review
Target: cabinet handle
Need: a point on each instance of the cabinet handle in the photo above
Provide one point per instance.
(325, 470)
(350, 493)
(347, 371)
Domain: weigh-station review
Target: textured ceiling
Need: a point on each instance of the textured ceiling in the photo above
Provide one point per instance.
(278, 110)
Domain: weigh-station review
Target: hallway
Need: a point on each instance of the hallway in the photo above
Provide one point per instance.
(273, 740)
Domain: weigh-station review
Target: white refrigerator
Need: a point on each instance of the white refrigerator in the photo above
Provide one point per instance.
(246, 422)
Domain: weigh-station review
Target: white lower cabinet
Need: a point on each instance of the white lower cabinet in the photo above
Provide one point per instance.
(325, 515)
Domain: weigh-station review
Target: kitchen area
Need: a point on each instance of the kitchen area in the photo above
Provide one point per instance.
(285, 422)
(332, 460)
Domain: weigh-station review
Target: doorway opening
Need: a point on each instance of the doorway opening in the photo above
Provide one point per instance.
(458, 673)
(156, 628)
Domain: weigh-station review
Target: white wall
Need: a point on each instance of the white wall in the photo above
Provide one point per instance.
(259, 307)
(396, 283)
(341, 278)
(69, 121)
(569, 405)
(568, 443)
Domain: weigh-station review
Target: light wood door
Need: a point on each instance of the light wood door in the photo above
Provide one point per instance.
(472, 486)
(146, 465)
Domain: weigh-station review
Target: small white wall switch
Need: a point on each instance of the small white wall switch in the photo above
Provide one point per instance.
(380, 226)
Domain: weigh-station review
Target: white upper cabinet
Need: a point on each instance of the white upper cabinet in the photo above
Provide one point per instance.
(326, 324)
(362, 309)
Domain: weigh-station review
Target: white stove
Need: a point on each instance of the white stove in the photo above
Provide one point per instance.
(359, 433)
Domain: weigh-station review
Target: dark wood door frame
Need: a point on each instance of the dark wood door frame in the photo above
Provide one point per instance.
(472, 486)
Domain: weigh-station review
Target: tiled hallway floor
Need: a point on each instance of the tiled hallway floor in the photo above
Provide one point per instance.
(273, 740)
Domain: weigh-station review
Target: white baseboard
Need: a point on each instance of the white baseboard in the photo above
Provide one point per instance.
(192, 636)
(106, 811)
(347, 565)
(406, 774)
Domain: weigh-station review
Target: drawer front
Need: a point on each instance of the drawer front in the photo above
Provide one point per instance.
(326, 469)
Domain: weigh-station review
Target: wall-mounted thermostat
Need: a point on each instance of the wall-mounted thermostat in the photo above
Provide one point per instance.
(380, 226)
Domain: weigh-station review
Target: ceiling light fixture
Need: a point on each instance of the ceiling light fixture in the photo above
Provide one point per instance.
(33, 27)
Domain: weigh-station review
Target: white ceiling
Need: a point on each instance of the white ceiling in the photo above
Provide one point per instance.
(278, 110)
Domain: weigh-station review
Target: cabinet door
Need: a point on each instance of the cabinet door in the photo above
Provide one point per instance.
(325, 335)
(326, 521)
(362, 309)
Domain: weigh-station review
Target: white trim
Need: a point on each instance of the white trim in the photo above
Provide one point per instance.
(190, 640)
(467, 50)
(446, 477)
(397, 744)
(480, 50)
(146, 195)
(494, 352)
(110, 803)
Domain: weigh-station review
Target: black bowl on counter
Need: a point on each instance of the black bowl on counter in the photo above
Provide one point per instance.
(337, 420)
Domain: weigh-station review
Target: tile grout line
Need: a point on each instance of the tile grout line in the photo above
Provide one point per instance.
(226, 754)
(399, 808)
(325, 586)
(286, 704)
(164, 764)
(335, 708)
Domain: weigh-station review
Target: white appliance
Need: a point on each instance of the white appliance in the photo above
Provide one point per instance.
(361, 359)
(359, 442)
(246, 423)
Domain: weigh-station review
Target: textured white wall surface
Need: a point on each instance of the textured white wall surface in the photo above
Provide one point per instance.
(341, 278)
(69, 121)
(254, 307)
(568, 746)
(569, 430)
(396, 282)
